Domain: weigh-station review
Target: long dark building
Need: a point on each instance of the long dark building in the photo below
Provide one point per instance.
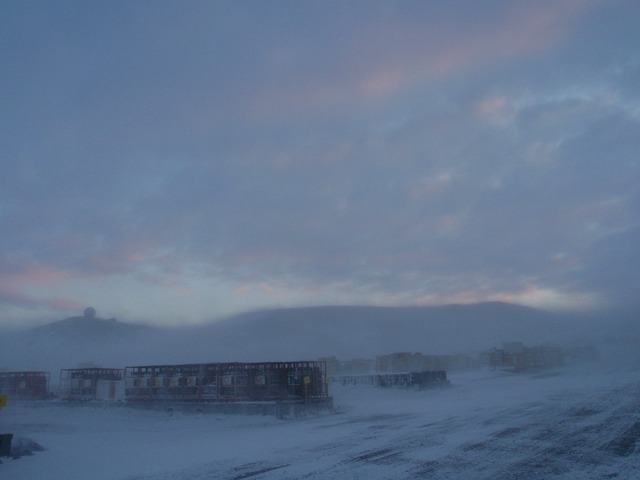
(301, 382)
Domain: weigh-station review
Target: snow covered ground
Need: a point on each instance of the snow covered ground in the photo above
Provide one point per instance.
(569, 423)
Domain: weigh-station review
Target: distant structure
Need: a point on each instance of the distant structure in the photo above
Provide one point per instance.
(515, 356)
(400, 362)
(401, 369)
(89, 312)
(291, 383)
(91, 383)
(417, 362)
(25, 385)
(419, 380)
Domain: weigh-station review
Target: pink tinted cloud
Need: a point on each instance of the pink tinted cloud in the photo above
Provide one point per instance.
(264, 289)
(492, 106)
(14, 287)
(406, 260)
(18, 283)
(539, 296)
(62, 303)
(14, 296)
(122, 257)
(449, 224)
(528, 28)
(371, 66)
(34, 275)
(431, 186)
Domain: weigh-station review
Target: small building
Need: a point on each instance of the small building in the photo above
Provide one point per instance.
(333, 364)
(301, 382)
(424, 379)
(515, 356)
(417, 362)
(93, 383)
(25, 385)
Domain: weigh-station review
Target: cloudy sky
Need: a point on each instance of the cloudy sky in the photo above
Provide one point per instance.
(174, 162)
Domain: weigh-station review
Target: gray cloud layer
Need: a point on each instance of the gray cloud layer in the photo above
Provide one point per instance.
(392, 152)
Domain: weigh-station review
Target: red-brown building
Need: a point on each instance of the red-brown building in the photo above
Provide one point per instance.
(25, 385)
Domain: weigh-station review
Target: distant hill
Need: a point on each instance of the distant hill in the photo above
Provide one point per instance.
(85, 329)
(67, 342)
(356, 331)
(283, 334)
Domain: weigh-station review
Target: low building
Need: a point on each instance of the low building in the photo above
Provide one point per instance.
(25, 385)
(424, 379)
(296, 382)
(515, 356)
(93, 383)
(415, 362)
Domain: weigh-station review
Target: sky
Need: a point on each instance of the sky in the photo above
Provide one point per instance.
(175, 162)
